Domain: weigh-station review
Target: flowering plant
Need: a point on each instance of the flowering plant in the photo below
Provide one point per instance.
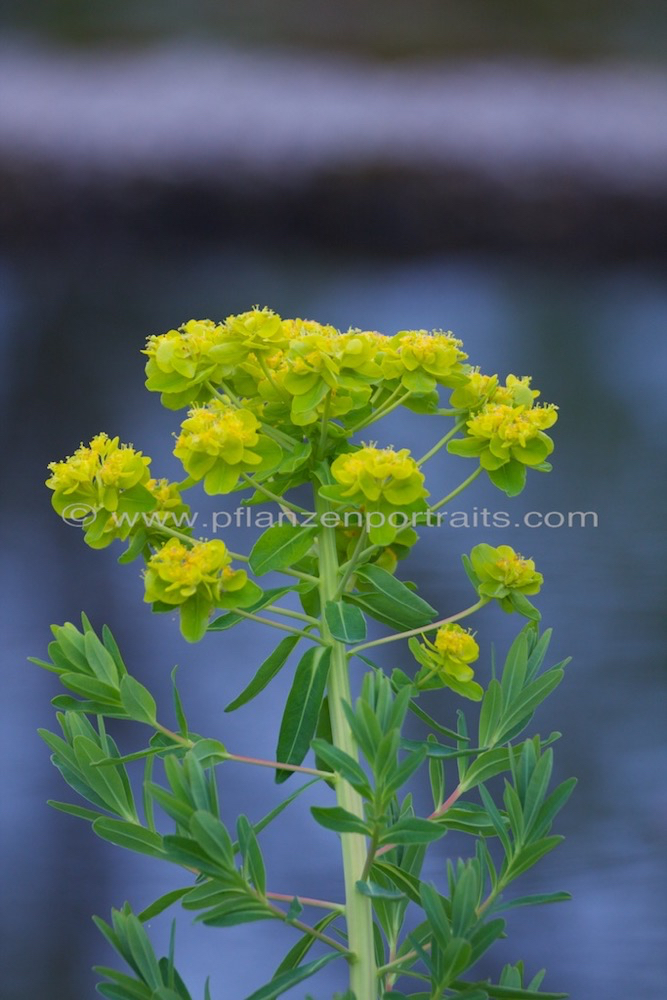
(271, 405)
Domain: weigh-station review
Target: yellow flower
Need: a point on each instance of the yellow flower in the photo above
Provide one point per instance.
(422, 360)
(180, 361)
(480, 389)
(219, 443)
(447, 661)
(512, 432)
(502, 573)
(98, 474)
(379, 473)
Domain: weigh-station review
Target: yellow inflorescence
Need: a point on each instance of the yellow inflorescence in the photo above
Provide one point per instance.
(177, 571)
(380, 472)
(218, 429)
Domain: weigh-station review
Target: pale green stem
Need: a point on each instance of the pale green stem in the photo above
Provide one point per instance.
(324, 425)
(279, 625)
(322, 904)
(351, 564)
(358, 908)
(459, 489)
(385, 410)
(308, 577)
(288, 613)
(240, 759)
(441, 443)
(278, 766)
(307, 929)
(423, 628)
(274, 496)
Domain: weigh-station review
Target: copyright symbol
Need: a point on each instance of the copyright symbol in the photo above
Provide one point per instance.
(78, 515)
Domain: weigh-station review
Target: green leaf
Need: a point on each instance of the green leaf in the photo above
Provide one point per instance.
(510, 478)
(230, 619)
(302, 708)
(130, 835)
(100, 660)
(162, 904)
(538, 899)
(105, 781)
(79, 811)
(92, 688)
(490, 714)
(521, 604)
(488, 764)
(346, 621)
(403, 880)
(340, 762)
(296, 954)
(277, 810)
(251, 854)
(210, 834)
(280, 546)
(283, 982)
(339, 819)
(194, 615)
(390, 601)
(412, 830)
(137, 701)
(525, 704)
(376, 891)
(530, 855)
(267, 671)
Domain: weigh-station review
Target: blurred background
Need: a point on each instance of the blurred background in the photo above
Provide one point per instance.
(495, 169)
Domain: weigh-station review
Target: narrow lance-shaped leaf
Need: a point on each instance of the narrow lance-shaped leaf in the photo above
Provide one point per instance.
(302, 708)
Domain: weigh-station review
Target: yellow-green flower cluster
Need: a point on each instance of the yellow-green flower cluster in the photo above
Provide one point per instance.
(101, 479)
(384, 483)
(447, 661)
(481, 389)
(503, 574)
(219, 443)
(422, 360)
(197, 578)
(504, 429)
(301, 369)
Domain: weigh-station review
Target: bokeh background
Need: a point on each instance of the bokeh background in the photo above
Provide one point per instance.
(495, 169)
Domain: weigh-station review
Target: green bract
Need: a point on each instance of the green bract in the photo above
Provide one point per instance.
(275, 404)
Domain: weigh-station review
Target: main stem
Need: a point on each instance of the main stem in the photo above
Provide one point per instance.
(358, 910)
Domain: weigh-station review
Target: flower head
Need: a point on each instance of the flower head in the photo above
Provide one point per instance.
(503, 574)
(180, 362)
(219, 443)
(446, 661)
(421, 360)
(385, 484)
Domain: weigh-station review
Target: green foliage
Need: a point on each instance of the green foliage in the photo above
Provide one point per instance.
(274, 406)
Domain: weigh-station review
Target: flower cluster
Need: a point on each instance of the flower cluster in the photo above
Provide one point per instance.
(446, 661)
(103, 478)
(503, 574)
(504, 430)
(197, 578)
(219, 443)
(381, 482)
(422, 360)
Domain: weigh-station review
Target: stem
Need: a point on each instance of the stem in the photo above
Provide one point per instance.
(240, 759)
(459, 489)
(423, 628)
(351, 564)
(278, 766)
(274, 496)
(323, 904)
(441, 443)
(288, 613)
(389, 404)
(269, 376)
(324, 425)
(279, 625)
(308, 577)
(358, 908)
(307, 929)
